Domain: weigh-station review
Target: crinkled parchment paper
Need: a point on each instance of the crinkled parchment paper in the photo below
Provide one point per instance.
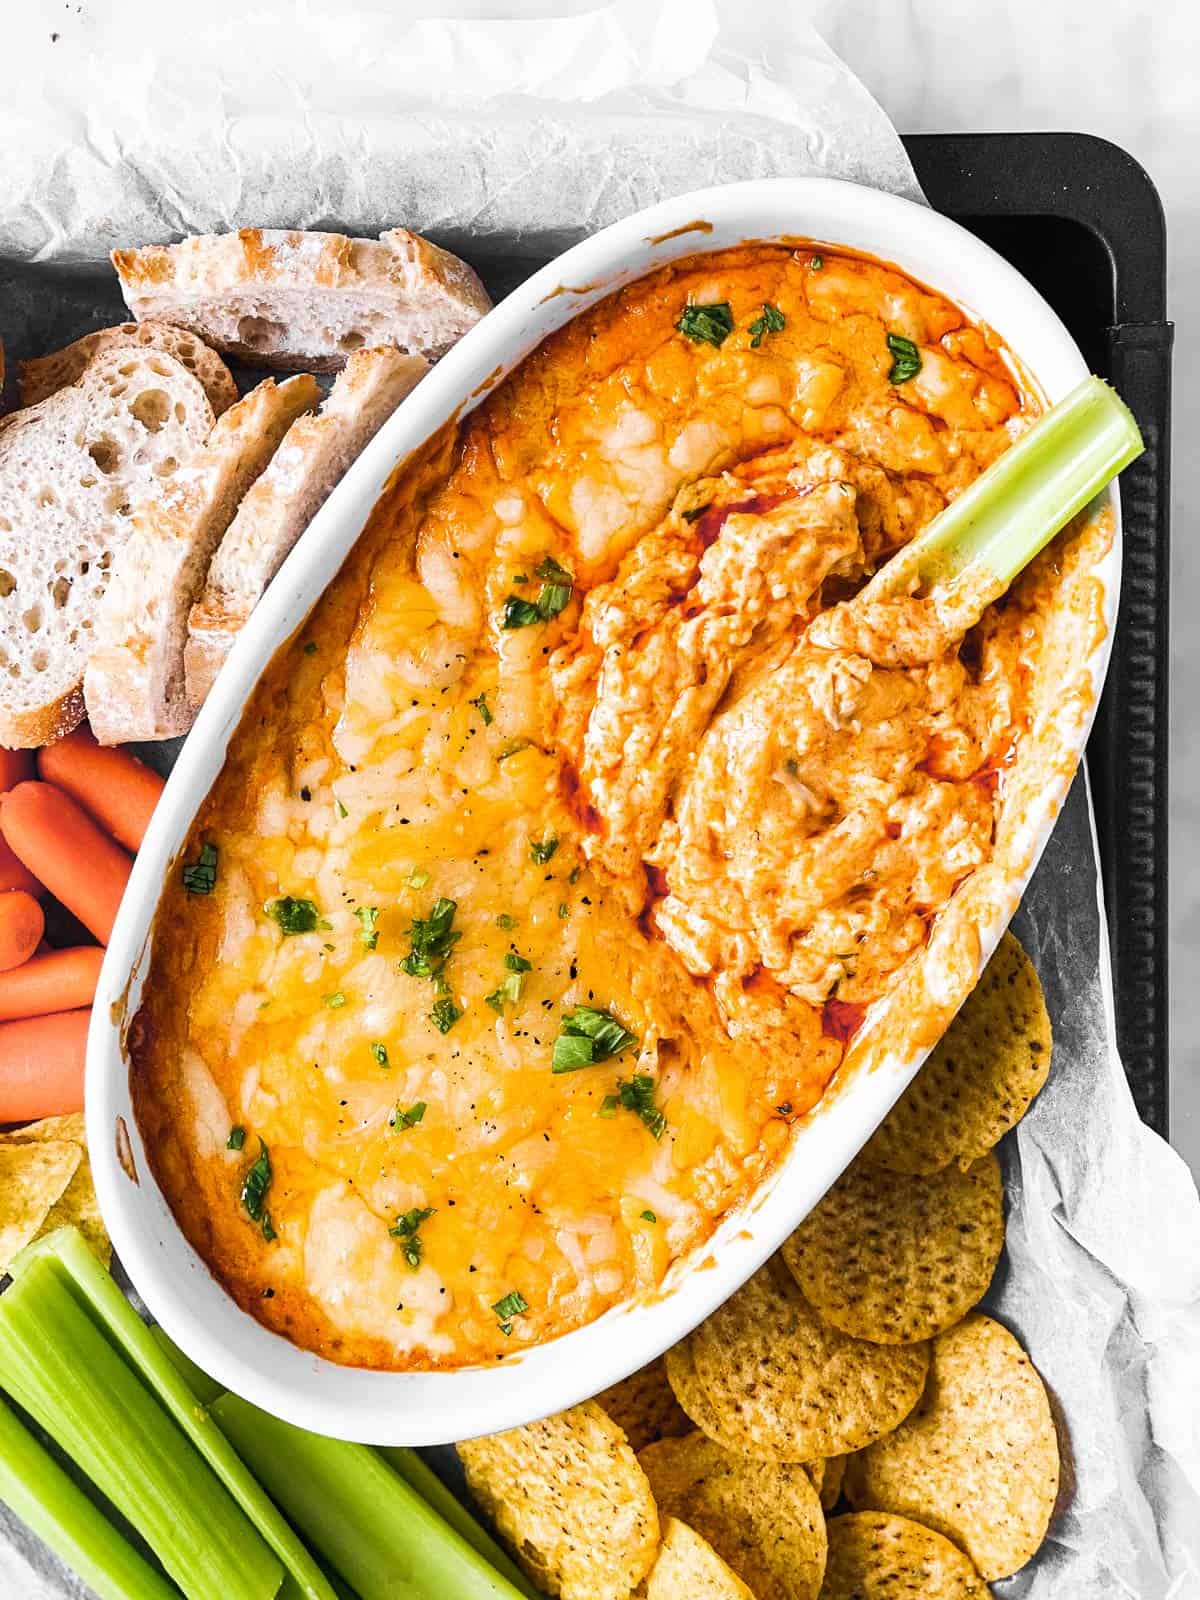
(123, 123)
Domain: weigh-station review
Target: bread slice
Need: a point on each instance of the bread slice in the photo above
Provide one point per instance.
(134, 684)
(44, 374)
(279, 507)
(71, 470)
(305, 300)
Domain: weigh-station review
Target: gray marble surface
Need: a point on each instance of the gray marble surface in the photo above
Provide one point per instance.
(1125, 71)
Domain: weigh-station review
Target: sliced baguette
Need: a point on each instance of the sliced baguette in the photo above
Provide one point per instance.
(305, 300)
(134, 684)
(279, 507)
(71, 470)
(44, 374)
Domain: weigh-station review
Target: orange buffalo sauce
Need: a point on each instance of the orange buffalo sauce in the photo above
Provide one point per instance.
(582, 761)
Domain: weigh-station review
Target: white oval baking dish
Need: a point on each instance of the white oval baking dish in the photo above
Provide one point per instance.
(433, 1407)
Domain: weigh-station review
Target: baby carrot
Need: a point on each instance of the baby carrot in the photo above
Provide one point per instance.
(14, 874)
(61, 845)
(15, 767)
(114, 786)
(22, 923)
(41, 1065)
(51, 980)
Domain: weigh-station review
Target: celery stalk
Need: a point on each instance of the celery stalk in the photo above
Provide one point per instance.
(1015, 508)
(368, 1523)
(34, 1485)
(59, 1366)
(401, 1459)
(434, 1492)
(170, 1375)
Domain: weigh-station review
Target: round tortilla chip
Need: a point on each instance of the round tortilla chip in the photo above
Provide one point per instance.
(32, 1178)
(644, 1405)
(699, 1409)
(785, 1386)
(688, 1568)
(979, 1081)
(830, 1487)
(873, 1556)
(978, 1459)
(569, 1496)
(897, 1259)
(762, 1518)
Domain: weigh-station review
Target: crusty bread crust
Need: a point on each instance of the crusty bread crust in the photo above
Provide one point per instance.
(288, 299)
(43, 375)
(306, 467)
(71, 468)
(134, 683)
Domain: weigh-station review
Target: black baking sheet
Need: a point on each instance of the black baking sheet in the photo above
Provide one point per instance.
(1083, 222)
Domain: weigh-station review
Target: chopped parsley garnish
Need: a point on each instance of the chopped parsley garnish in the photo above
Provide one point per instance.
(696, 512)
(406, 1228)
(553, 597)
(513, 985)
(294, 916)
(236, 1139)
(444, 1014)
(906, 358)
(506, 922)
(711, 324)
(555, 593)
(540, 850)
(513, 748)
(636, 1094)
(772, 320)
(310, 649)
(200, 877)
(648, 1216)
(379, 1051)
(484, 710)
(341, 810)
(400, 1118)
(817, 263)
(519, 613)
(254, 1191)
(564, 910)
(784, 1108)
(334, 1001)
(368, 926)
(432, 941)
(589, 1036)
(513, 1304)
(417, 878)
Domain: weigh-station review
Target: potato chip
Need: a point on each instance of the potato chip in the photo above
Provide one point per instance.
(897, 1259)
(644, 1405)
(569, 1496)
(978, 1459)
(762, 1518)
(830, 1487)
(688, 1568)
(876, 1557)
(77, 1206)
(32, 1178)
(787, 1387)
(979, 1081)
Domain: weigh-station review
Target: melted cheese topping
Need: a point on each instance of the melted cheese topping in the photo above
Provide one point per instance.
(762, 796)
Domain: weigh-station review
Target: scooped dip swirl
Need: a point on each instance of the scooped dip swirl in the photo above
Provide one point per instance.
(559, 859)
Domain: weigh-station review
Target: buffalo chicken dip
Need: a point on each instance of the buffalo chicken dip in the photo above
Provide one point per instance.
(562, 858)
